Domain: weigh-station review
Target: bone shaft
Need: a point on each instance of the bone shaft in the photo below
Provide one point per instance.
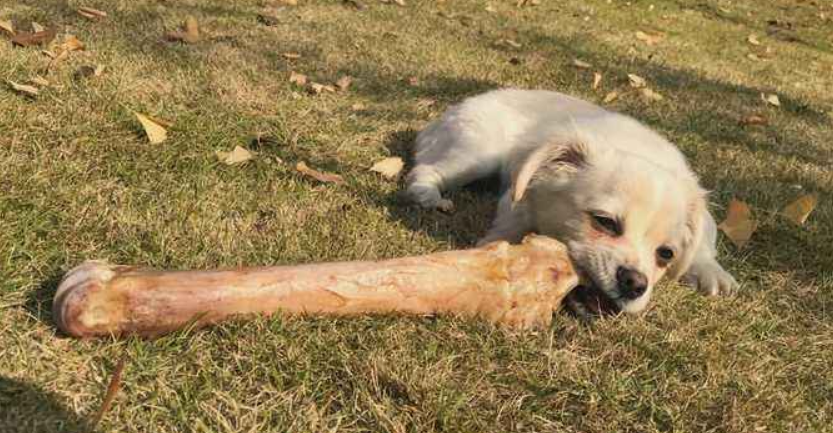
(490, 282)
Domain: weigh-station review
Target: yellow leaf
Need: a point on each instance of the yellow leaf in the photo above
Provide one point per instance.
(156, 133)
(90, 13)
(649, 39)
(581, 64)
(610, 97)
(71, 43)
(296, 78)
(799, 210)
(36, 27)
(40, 81)
(651, 95)
(752, 39)
(22, 88)
(291, 56)
(7, 27)
(739, 223)
(636, 81)
(237, 156)
(597, 79)
(771, 99)
(192, 30)
(389, 168)
(318, 88)
(304, 169)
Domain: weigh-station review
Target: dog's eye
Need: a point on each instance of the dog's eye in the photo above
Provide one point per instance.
(665, 255)
(608, 224)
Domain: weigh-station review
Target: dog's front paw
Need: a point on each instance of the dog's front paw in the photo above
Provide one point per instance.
(710, 279)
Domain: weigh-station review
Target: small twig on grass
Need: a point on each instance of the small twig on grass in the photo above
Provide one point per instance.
(112, 390)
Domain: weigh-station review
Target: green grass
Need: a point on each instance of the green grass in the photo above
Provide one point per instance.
(78, 180)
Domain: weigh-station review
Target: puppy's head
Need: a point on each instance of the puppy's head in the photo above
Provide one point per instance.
(626, 221)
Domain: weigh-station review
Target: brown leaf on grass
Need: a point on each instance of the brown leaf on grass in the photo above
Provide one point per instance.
(649, 38)
(581, 64)
(636, 81)
(239, 155)
(799, 210)
(739, 224)
(90, 13)
(610, 97)
(190, 33)
(651, 95)
(291, 56)
(112, 390)
(597, 79)
(318, 88)
(7, 27)
(155, 132)
(389, 168)
(508, 42)
(37, 27)
(28, 39)
(752, 39)
(399, 2)
(304, 169)
(753, 119)
(771, 99)
(358, 106)
(71, 43)
(23, 88)
(296, 78)
(344, 82)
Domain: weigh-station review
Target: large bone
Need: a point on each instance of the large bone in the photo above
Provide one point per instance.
(515, 285)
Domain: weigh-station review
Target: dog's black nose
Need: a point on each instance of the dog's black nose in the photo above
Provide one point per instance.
(632, 283)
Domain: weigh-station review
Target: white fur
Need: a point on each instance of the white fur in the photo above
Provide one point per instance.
(562, 159)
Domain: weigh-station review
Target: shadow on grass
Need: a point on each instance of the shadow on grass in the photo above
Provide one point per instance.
(26, 408)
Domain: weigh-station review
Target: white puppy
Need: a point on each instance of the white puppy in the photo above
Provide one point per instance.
(621, 197)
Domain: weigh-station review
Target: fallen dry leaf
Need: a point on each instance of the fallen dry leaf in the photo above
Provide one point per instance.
(318, 88)
(7, 27)
(651, 95)
(753, 119)
(296, 78)
(27, 39)
(799, 210)
(490, 9)
(291, 56)
(23, 88)
(636, 81)
(389, 168)
(771, 99)
(358, 106)
(90, 13)
(739, 223)
(239, 155)
(190, 33)
(304, 169)
(581, 64)
(752, 39)
(40, 81)
(344, 82)
(610, 97)
(36, 27)
(753, 56)
(597, 79)
(649, 39)
(71, 43)
(509, 42)
(156, 133)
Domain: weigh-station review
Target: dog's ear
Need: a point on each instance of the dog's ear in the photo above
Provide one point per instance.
(695, 221)
(555, 159)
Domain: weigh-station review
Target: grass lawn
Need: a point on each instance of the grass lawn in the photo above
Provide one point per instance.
(79, 180)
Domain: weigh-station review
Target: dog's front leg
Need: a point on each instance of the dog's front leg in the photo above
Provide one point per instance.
(705, 273)
(511, 223)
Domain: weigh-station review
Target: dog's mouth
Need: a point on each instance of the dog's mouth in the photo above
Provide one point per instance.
(586, 301)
